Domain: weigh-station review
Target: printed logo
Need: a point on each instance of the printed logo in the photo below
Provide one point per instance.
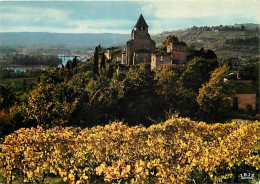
(247, 176)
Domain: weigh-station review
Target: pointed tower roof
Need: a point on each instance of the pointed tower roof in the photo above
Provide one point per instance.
(141, 22)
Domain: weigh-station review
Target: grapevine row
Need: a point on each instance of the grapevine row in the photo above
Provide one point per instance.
(177, 151)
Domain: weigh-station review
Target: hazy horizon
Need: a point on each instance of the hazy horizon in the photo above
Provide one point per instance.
(120, 16)
(129, 33)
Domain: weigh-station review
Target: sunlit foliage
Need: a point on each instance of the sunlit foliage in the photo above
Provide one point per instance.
(177, 151)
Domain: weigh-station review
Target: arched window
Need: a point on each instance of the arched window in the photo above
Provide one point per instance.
(144, 28)
(139, 28)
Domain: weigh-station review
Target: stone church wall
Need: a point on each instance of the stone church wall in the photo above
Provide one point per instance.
(157, 60)
(141, 57)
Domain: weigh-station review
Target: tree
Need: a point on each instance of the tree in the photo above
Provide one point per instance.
(176, 97)
(198, 72)
(167, 78)
(215, 97)
(69, 65)
(192, 53)
(128, 96)
(7, 97)
(103, 61)
(52, 100)
(95, 67)
(250, 71)
(74, 62)
(173, 39)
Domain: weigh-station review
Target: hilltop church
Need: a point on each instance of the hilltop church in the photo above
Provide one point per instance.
(141, 46)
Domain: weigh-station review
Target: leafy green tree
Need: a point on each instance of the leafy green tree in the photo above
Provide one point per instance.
(10, 116)
(139, 102)
(127, 96)
(167, 78)
(7, 97)
(173, 39)
(169, 86)
(215, 97)
(250, 71)
(192, 53)
(198, 72)
(52, 100)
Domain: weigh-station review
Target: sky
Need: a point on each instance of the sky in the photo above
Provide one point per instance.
(121, 16)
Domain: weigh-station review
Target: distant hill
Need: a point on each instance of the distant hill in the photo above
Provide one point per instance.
(61, 39)
(239, 40)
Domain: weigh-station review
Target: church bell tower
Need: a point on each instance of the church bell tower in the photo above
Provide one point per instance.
(140, 47)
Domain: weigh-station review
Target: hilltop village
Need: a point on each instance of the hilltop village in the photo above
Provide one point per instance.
(141, 48)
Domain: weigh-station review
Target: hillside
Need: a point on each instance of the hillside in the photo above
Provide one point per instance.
(227, 41)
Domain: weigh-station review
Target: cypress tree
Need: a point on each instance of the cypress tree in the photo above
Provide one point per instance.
(103, 61)
(95, 67)
(74, 62)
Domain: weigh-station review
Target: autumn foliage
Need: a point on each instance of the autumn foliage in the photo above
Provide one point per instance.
(177, 151)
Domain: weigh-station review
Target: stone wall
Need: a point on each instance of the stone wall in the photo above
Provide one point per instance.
(141, 57)
(123, 60)
(139, 46)
(157, 60)
(178, 53)
(169, 48)
(179, 56)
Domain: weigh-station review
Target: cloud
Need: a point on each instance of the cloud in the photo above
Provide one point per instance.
(121, 16)
(68, 16)
(168, 15)
(149, 9)
(21, 14)
(206, 8)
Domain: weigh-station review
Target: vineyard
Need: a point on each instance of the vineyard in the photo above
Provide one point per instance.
(176, 151)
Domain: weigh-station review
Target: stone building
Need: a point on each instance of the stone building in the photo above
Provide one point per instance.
(174, 55)
(107, 53)
(245, 95)
(157, 60)
(242, 101)
(178, 52)
(140, 47)
(172, 52)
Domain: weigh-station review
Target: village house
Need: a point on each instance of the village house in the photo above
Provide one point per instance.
(245, 94)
